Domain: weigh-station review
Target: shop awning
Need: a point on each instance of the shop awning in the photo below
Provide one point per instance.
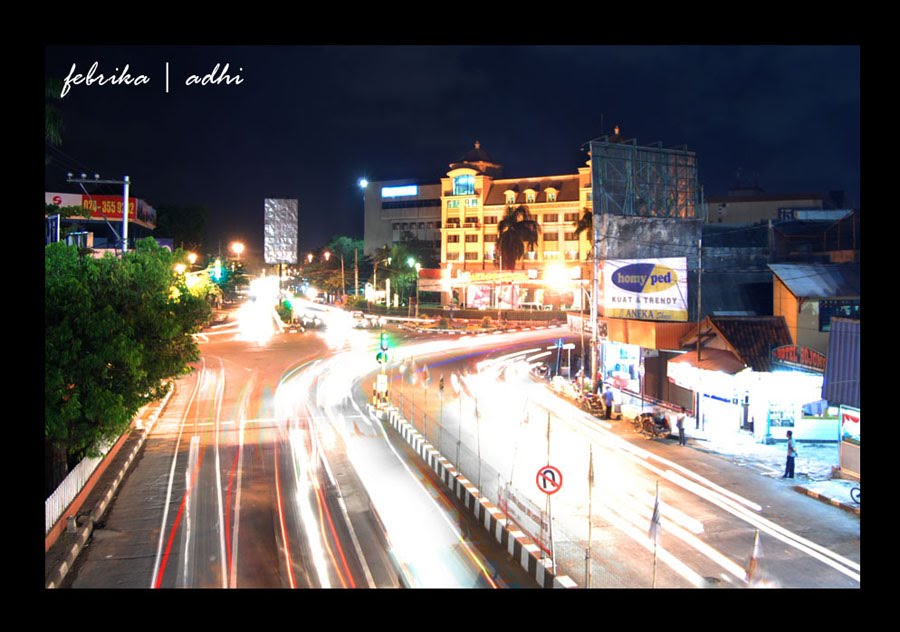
(711, 360)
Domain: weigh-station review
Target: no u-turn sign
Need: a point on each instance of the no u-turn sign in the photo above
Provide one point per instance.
(549, 479)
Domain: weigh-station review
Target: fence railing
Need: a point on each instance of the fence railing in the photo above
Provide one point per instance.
(62, 497)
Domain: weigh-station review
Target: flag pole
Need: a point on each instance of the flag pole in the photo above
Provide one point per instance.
(587, 556)
(654, 530)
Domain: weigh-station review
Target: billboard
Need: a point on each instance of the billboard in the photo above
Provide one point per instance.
(280, 231)
(646, 289)
(105, 206)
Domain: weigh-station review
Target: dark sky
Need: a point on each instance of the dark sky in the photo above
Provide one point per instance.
(308, 121)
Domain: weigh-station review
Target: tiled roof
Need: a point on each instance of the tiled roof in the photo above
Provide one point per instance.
(753, 337)
(567, 186)
(819, 280)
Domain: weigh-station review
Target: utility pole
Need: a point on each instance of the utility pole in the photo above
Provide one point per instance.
(126, 182)
(595, 294)
(355, 273)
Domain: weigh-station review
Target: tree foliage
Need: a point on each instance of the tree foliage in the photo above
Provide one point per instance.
(516, 229)
(186, 225)
(116, 330)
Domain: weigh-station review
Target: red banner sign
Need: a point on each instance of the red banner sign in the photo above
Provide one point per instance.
(796, 355)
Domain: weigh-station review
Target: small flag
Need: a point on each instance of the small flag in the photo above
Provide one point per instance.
(655, 521)
(426, 376)
(754, 559)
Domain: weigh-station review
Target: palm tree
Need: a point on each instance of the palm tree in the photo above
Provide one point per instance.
(516, 229)
(586, 223)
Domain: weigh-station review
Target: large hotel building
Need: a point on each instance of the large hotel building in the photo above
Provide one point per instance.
(460, 217)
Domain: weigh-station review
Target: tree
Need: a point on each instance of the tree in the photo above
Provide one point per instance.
(53, 123)
(586, 223)
(186, 225)
(516, 229)
(117, 330)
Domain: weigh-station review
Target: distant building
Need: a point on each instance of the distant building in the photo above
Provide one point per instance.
(809, 295)
(100, 226)
(395, 208)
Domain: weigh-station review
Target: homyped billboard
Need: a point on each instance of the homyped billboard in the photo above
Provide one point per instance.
(850, 425)
(280, 231)
(646, 289)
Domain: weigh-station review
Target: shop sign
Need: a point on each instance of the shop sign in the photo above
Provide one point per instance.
(799, 357)
(850, 425)
(646, 289)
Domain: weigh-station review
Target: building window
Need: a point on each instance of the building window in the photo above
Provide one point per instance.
(590, 196)
(490, 219)
(571, 237)
(490, 255)
(529, 197)
(551, 217)
(452, 203)
(531, 256)
(490, 238)
(421, 225)
(551, 236)
(510, 197)
(429, 224)
(471, 239)
(551, 255)
(470, 256)
(570, 217)
(437, 224)
(551, 196)
(452, 239)
(464, 185)
(470, 202)
(404, 226)
(452, 222)
(572, 255)
(836, 309)
(396, 225)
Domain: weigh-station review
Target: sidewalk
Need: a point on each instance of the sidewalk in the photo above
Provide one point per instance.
(815, 468)
(61, 556)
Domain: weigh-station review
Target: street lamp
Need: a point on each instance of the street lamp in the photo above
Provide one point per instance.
(387, 299)
(412, 263)
(237, 248)
(192, 257)
(309, 258)
(180, 268)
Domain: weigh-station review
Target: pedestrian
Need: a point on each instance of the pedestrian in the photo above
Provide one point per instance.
(791, 454)
(608, 401)
(679, 423)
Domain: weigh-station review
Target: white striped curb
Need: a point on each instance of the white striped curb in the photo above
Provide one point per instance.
(517, 544)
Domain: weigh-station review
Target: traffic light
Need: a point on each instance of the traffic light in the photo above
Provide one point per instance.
(384, 341)
(382, 357)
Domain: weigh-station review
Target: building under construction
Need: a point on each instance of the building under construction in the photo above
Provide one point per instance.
(634, 181)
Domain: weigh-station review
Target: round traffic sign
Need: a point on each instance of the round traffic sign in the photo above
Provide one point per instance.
(549, 479)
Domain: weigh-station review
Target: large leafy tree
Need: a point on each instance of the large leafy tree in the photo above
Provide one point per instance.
(117, 330)
(186, 225)
(516, 229)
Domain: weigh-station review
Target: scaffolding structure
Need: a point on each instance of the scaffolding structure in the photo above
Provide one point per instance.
(635, 181)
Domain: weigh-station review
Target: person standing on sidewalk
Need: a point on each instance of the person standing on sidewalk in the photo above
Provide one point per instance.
(679, 423)
(791, 454)
(608, 401)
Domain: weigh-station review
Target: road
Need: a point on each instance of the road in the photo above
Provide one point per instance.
(262, 472)
(500, 426)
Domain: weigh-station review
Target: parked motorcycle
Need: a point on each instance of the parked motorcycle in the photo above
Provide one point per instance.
(654, 426)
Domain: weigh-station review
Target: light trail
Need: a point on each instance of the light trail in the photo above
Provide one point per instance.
(220, 525)
(156, 578)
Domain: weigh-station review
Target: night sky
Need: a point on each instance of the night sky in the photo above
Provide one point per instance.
(307, 122)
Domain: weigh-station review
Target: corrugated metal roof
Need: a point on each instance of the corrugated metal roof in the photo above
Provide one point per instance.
(819, 280)
(841, 384)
